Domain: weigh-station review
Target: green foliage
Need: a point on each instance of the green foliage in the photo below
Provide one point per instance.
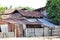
(53, 8)
(24, 7)
(29, 8)
(2, 10)
(19, 7)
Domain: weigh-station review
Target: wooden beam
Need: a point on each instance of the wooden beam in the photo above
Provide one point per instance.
(16, 31)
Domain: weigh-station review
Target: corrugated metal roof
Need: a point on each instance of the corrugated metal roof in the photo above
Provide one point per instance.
(21, 21)
(17, 18)
(2, 22)
(31, 20)
(9, 11)
(45, 22)
(25, 13)
(30, 13)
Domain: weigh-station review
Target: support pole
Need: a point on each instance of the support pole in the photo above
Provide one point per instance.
(43, 31)
(51, 31)
(16, 31)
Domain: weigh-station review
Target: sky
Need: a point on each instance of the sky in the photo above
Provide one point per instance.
(30, 3)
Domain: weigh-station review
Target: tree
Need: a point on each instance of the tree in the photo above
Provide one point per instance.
(19, 7)
(53, 8)
(24, 7)
(2, 10)
(28, 8)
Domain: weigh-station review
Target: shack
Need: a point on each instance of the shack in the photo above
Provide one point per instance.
(24, 23)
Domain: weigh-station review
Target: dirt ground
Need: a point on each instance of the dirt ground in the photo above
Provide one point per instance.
(33, 38)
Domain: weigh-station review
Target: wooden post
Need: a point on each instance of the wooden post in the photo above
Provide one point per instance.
(16, 31)
(51, 31)
(43, 31)
(21, 30)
